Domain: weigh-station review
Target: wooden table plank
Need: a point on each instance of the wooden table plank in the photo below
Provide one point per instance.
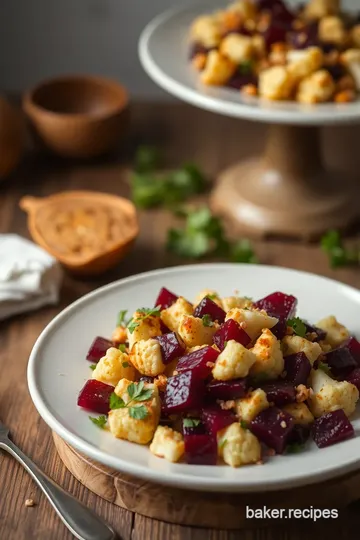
(184, 133)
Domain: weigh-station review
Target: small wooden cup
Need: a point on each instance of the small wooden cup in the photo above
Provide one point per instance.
(79, 116)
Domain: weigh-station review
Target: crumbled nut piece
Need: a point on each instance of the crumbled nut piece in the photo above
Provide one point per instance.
(263, 23)
(210, 364)
(249, 90)
(302, 393)
(199, 61)
(345, 83)
(346, 96)
(161, 382)
(331, 58)
(227, 405)
(271, 452)
(119, 335)
(260, 462)
(29, 502)
(283, 424)
(311, 336)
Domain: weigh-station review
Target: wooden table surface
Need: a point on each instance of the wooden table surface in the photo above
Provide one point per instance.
(184, 133)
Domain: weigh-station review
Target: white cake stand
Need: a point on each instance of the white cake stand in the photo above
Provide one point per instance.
(284, 191)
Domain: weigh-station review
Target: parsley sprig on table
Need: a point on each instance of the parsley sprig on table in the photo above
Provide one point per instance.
(204, 234)
(298, 326)
(137, 393)
(143, 313)
(151, 188)
(338, 255)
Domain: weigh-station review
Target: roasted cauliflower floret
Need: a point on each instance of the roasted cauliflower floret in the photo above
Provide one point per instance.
(300, 413)
(123, 426)
(218, 69)
(238, 446)
(231, 302)
(316, 88)
(336, 333)
(145, 327)
(332, 30)
(168, 444)
(252, 320)
(269, 358)
(147, 358)
(237, 47)
(112, 367)
(172, 315)
(351, 59)
(195, 331)
(316, 9)
(303, 63)
(207, 31)
(250, 406)
(213, 295)
(330, 395)
(233, 362)
(275, 83)
(296, 344)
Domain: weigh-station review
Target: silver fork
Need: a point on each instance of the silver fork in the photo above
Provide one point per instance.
(82, 522)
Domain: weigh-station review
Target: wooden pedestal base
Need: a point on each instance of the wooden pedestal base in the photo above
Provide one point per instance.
(287, 191)
(211, 510)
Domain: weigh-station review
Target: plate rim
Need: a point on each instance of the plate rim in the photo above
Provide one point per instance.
(300, 117)
(174, 479)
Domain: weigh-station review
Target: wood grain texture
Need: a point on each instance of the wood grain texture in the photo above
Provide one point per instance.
(210, 510)
(185, 134)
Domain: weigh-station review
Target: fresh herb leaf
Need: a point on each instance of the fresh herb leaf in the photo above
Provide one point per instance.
(148, 190)
(324, 367)
(244, 424)
(147, 158)
(116, 402)
(92, 367)
(246, 67)
(225, 343)
(190, 244)
(187, 181)
(242, 252)
(222, 443)
(206, 320)
(135, 388)
(121, 317)
(122, 347)
(138, 413)
(294, 448)
(143, 314)
(191, 422)
(338, 255)
(145, 395)
(212, 296)
(100, 421)
(125, 364)
(298, 326)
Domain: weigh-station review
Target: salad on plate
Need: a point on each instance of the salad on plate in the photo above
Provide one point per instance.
(224, 380)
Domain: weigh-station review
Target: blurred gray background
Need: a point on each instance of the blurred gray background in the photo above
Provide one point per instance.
(43, 38)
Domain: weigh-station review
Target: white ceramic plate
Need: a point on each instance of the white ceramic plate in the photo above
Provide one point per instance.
(164, 51)
(57, 371)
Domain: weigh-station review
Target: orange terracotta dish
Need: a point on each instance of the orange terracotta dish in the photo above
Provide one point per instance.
(88, 232)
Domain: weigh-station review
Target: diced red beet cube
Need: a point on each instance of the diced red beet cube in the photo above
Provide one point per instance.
(235, 389)
(165, 299)
(297, 368)
(354, 378)
(279, 392)
(215, 419)
(98, 349)
(279, 305)
(171, 347)
(310, 328)
(200, 449)
(230, 330)
(183, 392)
(331, 428)
(354, 347)
(209, 307)
(200, 362)
(299, 435)
(95, 396)
(340, 361)
(273, 427)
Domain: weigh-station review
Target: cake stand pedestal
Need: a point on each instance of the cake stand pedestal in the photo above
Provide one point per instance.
(286, 191)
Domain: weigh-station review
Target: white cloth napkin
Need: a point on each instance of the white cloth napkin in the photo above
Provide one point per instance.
(29, 276)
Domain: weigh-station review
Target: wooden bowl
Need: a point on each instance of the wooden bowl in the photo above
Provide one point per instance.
(86, 231)
(78, 116)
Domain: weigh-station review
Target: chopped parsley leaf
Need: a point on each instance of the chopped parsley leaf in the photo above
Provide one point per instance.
(206, 320)
(191, 422)
(100, 421)
(298, 326)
